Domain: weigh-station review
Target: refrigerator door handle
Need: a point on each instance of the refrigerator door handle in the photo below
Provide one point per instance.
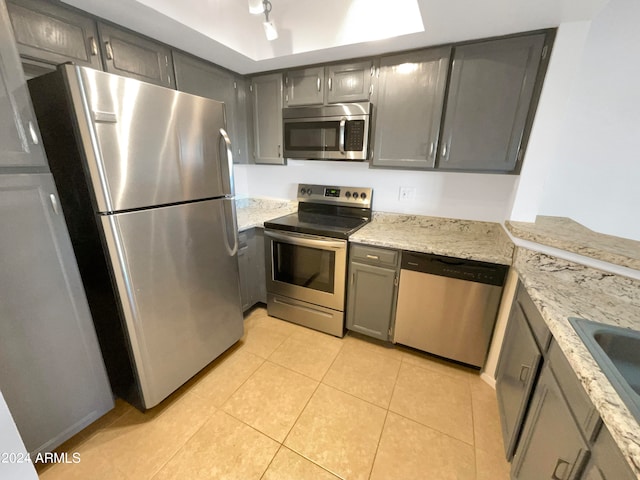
(227, 177)
(230, 226)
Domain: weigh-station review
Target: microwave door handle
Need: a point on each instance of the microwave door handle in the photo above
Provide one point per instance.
(341, 134)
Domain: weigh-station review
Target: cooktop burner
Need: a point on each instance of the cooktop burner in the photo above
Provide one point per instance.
(328, 211)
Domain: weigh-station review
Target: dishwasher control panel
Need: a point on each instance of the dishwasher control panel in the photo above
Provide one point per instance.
(462, 269)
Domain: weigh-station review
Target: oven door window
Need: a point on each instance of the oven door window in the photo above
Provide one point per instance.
(312, 136)
(306, 267)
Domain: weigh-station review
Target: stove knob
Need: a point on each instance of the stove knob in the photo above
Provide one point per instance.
(348, 194)
(363, 195)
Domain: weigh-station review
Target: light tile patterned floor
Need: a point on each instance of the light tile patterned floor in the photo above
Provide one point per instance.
(289, 403)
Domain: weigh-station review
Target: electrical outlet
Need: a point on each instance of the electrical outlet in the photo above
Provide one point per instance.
(407, 194)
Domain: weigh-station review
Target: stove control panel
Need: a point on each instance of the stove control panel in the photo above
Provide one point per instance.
(343, 196)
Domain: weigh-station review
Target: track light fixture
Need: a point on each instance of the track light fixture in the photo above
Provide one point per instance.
(257, 7)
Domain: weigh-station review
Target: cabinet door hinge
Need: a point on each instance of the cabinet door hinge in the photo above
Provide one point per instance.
(395, 280)
(545, 50)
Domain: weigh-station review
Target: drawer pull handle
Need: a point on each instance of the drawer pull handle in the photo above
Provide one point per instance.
(524, 373)
(373, 257)
(560, 463)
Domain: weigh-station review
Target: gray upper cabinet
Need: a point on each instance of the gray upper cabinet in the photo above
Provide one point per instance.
(131, 55)
(48, 33)
(52, 376)
(266, 105)
(490, 91)
(350, 82)
(19, 135)
(304, 86)
(551, 444)
(199, 77)
(409, 101)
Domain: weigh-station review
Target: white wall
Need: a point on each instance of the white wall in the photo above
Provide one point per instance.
(10, 442)
(458, 195)
(545, 133)
(595, 173)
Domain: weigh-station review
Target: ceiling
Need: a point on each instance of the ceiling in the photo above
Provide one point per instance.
(316, 31)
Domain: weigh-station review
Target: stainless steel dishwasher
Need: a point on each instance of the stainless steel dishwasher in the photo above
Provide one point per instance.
(448, 306)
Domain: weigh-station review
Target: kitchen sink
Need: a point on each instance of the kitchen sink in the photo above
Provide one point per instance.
(617, 351)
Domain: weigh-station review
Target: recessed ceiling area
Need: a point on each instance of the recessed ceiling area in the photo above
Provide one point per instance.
(313, 31)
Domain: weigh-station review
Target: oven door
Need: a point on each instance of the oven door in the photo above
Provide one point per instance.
(309, 268)
(334, 138)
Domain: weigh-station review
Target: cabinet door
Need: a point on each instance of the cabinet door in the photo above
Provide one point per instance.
(244, 266)
(267, 118)
(49, 33)
(52, 376)
(350, 82)
(607, 462)
(371, 300)
(130, 55)
(241, 145)
(490, 92)
(19, 137)
(260, 282)
(304, 86)
(409, 108)
(516, 374)
(551, 444)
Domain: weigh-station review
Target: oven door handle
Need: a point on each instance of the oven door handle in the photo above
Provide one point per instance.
(306, 240)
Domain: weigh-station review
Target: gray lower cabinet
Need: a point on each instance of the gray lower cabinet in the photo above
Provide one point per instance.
(198, 77)
(253, 287)
(19, 135)
(372, 290)
(50, 34)
(350, 82)
(607, 461)
(552, 445)
(128, 54)
(304, 86)
(490, 91)
(266, 103)
(517, 371)
(52, 377)
(409, 100)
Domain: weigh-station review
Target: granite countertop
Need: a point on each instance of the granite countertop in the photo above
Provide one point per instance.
(469, 239)
(566, 234)
(562, 289)
(253, 212)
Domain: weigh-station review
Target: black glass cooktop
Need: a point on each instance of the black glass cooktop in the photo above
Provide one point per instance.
(334, 223)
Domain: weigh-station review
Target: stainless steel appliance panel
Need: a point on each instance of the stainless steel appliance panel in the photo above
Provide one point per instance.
(307, 314)
(309, 268)
(176, 272)
(446, 316)
(147, 145)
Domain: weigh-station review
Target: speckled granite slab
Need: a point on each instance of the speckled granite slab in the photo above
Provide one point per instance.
(562, 289)
(566, 234)
(483, 241)
(253, 212)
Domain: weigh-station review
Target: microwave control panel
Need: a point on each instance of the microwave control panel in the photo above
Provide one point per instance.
(354, 136)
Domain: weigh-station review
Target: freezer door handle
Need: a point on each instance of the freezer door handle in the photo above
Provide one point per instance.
(227, 164)
(230, 226)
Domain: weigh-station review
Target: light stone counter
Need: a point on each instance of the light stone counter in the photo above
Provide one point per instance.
(483, 241)
(253, 212)
(562, 289)
(566, 234)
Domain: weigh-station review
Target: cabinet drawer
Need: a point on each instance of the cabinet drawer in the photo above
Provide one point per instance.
(583, 410)
(374, 255)
(536, 322)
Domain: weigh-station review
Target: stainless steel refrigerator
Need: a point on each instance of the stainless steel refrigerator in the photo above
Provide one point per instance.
(146, 184)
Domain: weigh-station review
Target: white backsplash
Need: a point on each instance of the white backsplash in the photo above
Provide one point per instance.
(441, 194)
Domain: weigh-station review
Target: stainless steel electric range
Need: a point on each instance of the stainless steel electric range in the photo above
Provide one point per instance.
(306, 255)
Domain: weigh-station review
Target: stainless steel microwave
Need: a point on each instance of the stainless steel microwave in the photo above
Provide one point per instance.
(330, 132)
